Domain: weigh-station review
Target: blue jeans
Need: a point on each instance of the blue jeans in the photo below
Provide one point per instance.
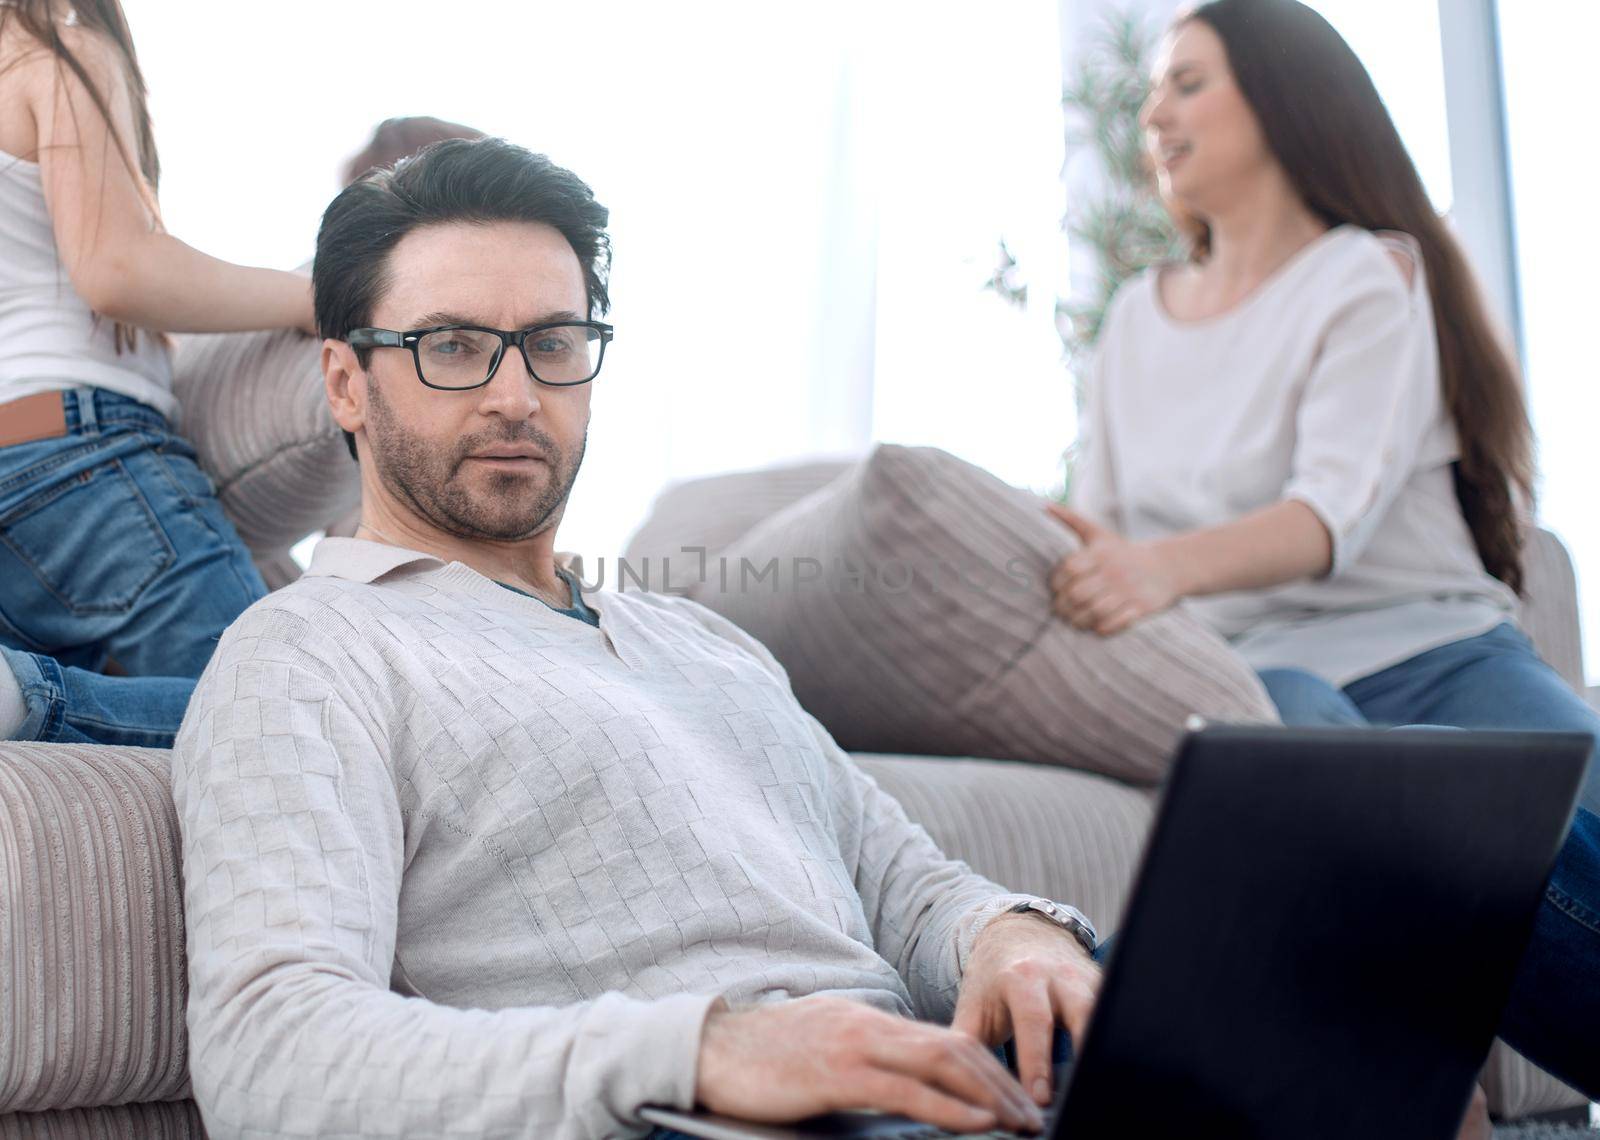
(113, 547)
(1497, 680)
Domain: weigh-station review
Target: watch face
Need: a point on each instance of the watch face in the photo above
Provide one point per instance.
(1058, 915)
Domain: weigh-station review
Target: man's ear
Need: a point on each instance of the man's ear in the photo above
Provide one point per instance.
(346, 385)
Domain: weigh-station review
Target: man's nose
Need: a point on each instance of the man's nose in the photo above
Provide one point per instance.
(512, 391)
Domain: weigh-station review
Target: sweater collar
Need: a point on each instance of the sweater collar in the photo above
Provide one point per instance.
(361, 560)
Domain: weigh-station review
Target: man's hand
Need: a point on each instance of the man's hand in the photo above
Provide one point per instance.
(794, 1059)
(1475, 1125)
(1024, 977)
(1112, 582)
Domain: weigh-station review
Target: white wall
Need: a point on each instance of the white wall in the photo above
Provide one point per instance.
(805, 201)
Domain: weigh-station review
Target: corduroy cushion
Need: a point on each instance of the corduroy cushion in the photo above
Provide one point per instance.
(710, 513)
(1051, 831)
(254, 406)
(909, 601)
(92, 983)
(166, 1120)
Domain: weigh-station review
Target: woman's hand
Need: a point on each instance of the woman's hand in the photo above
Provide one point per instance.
(1111, 582)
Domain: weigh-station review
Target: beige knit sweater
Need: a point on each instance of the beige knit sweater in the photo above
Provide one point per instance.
(457, 864)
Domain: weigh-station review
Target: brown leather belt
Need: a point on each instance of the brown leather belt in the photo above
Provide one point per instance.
(40, 416)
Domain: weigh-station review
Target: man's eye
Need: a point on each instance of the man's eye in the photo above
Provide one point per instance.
(552, 344)
(455, 346)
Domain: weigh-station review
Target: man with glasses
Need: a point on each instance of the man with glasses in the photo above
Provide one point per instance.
(467, 853)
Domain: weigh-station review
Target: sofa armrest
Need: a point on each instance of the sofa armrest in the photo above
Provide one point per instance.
(1549, 612)
(148, 1120)
(91, 931)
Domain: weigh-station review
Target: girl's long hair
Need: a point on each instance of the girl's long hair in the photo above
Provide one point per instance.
(1326, 125)
(40, 19)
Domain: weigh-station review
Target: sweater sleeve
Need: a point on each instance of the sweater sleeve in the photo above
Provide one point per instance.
(293, 853)
(1369, 402)
(924, 909)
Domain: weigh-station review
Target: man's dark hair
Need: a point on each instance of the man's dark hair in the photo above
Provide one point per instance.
(459, 180)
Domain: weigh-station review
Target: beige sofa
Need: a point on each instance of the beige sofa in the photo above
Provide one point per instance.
(92, 979)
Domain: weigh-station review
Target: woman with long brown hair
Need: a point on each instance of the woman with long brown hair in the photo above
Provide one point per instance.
(112, 543)
(1311, 431)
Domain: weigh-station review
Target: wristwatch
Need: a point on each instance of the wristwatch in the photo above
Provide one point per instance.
(1062, 917)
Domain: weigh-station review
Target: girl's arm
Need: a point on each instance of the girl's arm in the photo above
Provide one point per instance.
(1112, 582)
(104, 215)
(1267, 547)
(1360, 423)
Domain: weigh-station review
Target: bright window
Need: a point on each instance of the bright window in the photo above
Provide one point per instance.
(1399, 44)
(1552, 169)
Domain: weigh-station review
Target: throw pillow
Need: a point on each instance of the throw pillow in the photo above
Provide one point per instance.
(909, 601)
(710, 513)
(253, 405)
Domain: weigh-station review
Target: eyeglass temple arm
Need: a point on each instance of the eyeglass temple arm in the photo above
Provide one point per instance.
(375, 338)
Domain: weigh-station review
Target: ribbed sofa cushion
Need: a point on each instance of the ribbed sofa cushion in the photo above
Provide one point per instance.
(909, 601)
(1052, 832)
(710, 513)
(162, 1120)
(92, 983)
(255, 408)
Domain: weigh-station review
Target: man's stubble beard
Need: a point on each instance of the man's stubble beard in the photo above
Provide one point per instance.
(426, 480)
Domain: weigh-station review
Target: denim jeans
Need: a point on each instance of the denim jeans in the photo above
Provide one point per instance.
(1497, 680)
(113, 547)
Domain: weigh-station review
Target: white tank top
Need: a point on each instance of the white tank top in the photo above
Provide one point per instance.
(49, 337)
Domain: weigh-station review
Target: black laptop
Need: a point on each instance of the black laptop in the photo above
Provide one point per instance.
(1322, 936)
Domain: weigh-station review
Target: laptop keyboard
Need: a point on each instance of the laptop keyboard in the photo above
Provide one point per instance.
(856, 1126)
(928, 1132)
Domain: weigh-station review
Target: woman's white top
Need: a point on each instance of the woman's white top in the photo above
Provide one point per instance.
(49, 337)
(1321, 386)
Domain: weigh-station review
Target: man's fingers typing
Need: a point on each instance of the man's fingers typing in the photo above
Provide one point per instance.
(970, 1020)
(1033, 1026)
(1074, 998)
(961, 1067)
(892, 1092)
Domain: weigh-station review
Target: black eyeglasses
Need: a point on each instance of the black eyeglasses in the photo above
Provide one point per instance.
(454, 358)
